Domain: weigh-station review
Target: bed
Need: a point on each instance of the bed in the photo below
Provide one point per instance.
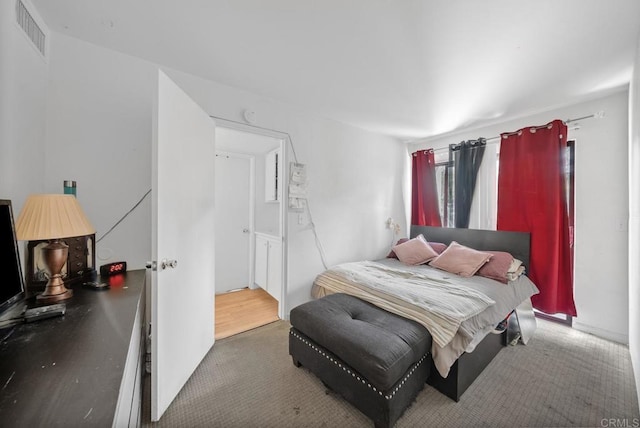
(460, 349)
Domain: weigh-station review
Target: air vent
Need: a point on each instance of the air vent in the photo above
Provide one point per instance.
(31, 29)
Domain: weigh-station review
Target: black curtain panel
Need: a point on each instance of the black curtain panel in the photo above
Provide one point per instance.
(467, 160)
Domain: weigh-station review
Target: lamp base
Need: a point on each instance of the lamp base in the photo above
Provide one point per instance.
(54, 291)
(55, 255)
(45, 297)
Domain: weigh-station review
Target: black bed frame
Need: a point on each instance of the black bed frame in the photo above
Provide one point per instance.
(516, 243)
(469, 365)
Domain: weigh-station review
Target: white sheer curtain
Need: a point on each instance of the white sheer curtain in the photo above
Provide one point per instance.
(484, 207)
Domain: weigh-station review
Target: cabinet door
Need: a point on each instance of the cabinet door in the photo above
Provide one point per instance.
(274, 271)
(261, 267)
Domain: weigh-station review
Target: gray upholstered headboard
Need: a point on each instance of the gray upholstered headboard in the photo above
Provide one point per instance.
(516, 243)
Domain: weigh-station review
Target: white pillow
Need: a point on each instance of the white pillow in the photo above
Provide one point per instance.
(512, 276)
(515, 265)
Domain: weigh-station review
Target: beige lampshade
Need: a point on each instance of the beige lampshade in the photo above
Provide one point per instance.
(51, 217)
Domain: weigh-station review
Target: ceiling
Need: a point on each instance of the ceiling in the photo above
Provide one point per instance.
(406, 68)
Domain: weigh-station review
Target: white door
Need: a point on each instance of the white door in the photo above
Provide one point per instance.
(233, 222)
(182, 296)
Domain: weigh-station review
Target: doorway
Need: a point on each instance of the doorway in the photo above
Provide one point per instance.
(246, 210)
(234, 190)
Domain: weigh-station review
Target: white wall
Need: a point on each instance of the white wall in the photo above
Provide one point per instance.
(100, 116)
(634, 219)
(23, 83)
(99, 134)
(601, 253)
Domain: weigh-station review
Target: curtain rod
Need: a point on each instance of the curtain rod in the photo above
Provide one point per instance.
(494, 140)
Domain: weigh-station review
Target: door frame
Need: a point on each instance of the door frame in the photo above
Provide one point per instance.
(252, 207)
(284, 220)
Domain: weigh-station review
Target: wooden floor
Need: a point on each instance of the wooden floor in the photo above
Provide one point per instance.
(243, 310)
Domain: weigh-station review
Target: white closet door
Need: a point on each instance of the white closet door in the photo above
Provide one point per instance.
(233, 228)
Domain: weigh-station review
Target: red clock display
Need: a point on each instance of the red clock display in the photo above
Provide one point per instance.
(113, 268)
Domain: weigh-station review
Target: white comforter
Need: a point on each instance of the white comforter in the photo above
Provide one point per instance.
(455, 310)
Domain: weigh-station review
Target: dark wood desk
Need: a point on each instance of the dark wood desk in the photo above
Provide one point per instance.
(81, 369)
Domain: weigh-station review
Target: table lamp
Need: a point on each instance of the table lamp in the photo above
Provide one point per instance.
(52, 217)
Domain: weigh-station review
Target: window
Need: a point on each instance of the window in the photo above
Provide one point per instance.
(569, 187)
(569, 183)
(445, 182)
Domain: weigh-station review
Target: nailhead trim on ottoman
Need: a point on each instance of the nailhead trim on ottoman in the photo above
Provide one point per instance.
(349, 371)
(384, 405)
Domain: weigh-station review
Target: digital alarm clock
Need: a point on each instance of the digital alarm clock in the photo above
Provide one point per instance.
(113, 268)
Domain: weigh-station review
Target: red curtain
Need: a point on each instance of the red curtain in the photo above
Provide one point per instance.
(424, 194)
(531, 198)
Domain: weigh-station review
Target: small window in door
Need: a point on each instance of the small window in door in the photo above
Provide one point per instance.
(272, 167)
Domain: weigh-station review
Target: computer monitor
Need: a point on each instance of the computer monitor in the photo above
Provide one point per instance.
(11, 279)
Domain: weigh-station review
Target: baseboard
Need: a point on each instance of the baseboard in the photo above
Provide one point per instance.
(602, 333)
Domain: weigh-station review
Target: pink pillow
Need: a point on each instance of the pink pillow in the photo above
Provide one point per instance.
(438, 246)
(497, 267)
(392, 254)
(415, 251)
(461, 260)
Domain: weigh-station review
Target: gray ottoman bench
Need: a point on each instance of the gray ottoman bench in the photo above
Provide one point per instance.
(376, 360)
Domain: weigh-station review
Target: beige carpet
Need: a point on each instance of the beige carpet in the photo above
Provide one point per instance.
(562, 378)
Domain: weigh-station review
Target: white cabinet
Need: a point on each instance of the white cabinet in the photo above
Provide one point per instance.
(262, 256)
(268, 264)
(272, 176)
